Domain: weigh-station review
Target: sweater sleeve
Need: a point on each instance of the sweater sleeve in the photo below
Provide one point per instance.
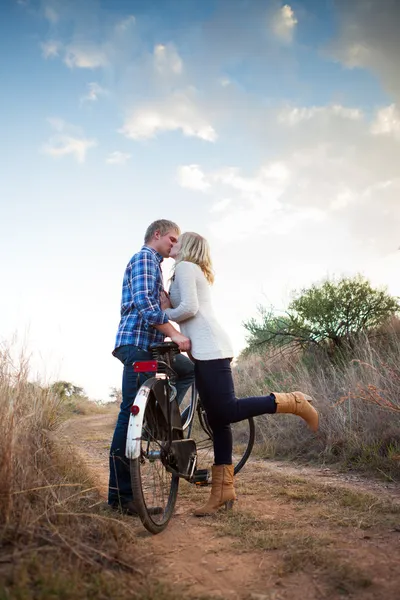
(185, 279)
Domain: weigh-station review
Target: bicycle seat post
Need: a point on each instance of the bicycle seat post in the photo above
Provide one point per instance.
(163, 353)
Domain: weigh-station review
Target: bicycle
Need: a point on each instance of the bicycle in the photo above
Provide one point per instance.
(159, 445)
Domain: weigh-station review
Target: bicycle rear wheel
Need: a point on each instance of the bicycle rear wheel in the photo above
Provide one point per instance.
(154, 488)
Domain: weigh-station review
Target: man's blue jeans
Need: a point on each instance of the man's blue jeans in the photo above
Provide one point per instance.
(120, 489)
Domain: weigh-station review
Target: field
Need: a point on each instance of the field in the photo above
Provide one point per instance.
(310, 517)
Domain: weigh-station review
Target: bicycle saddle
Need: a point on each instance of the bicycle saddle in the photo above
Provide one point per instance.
(163, 346)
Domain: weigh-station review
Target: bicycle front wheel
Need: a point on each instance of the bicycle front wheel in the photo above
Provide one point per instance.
(243, 436)
(154, 488)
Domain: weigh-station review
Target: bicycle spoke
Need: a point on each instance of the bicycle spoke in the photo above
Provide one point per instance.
(154, 487)
(242, 438)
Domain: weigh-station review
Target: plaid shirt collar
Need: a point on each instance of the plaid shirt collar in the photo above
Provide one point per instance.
(153, 251)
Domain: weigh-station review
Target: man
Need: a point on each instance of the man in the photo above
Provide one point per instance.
(142, 323)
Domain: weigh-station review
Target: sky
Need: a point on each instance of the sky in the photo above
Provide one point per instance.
(272, 129)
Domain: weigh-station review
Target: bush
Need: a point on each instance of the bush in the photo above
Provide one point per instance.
(329, 316)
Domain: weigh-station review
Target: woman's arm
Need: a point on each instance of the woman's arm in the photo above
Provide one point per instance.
(185, 279)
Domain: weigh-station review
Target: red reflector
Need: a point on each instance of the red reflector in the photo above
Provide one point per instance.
(134, 409)
(145, 366)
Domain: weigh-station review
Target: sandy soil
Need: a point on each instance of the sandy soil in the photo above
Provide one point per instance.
(295, 531)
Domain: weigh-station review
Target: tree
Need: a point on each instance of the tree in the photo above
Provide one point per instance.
(65, 389)
(271, 330)
(329, 316)
(116, 394)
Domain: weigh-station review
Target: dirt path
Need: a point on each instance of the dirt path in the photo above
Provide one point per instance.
(294, 531)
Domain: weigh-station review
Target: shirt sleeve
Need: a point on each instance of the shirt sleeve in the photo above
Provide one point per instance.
(145, 289)
(185, 279)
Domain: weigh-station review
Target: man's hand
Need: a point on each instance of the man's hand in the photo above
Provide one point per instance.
(169, 331)
(182, 341)
(165, 301)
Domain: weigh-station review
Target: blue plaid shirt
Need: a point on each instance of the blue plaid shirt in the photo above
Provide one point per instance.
(140, 304)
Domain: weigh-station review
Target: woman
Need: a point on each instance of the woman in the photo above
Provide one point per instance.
(189, 304)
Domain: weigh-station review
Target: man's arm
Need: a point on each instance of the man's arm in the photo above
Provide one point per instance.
(143, 281)
(169, 331)
(143, 285)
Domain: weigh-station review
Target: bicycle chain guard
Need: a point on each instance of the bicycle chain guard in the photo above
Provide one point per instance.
(184, 458)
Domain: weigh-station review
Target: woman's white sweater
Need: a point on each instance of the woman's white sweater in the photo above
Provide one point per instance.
(190, 296)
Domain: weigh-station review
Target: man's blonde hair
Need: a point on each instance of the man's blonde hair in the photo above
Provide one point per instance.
(194, 248)
(163, 226)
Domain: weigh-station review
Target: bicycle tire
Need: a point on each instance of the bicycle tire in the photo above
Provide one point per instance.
(155, 507)
(250, 443)
(243, 434)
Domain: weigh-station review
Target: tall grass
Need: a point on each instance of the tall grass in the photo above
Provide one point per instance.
(55, 539)
(358, 400)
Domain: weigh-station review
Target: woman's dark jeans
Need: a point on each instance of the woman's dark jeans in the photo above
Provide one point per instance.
(215, 386)
(120, 489)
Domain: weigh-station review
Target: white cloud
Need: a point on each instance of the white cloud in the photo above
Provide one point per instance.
(118, 158)
(58, 124)
(221, 205)
(337, 178)
(267, 181)
(67, 140)
(369, 38)
(167, 60)
(51, 14)
(126, 23)
(284, 22)
(51, 48)
(342, 200)
(294, 115)
(263, 189)
(251, 201)
(85, 57)
(94, 91)
(387, 121)
(177, 112)
(65, 144)
(192, 177)
(355, 55)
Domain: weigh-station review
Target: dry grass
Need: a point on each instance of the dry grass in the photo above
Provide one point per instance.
(296, 548)
(81, 405)
(56, 539)
(335, 505)
(359, 405)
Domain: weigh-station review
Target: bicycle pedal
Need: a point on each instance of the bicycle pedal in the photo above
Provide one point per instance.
(201, 477)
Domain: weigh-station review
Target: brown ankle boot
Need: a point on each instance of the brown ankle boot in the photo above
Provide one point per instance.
(298, 403)
(222, 491)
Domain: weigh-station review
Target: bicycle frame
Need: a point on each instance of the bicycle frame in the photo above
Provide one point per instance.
(177, 453)
(190, 417)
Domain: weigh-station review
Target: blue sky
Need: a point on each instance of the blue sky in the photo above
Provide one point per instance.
(271, 128)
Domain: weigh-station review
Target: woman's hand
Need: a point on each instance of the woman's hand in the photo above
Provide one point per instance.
(165, 301)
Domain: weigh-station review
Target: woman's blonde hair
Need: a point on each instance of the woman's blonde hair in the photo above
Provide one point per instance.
(194, 248)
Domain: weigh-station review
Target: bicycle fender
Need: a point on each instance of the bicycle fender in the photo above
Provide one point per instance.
(134, 433)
